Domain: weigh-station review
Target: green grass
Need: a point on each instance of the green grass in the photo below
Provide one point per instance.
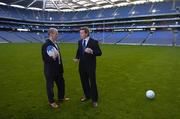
(124, 73)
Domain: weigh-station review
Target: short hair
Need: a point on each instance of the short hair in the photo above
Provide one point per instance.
(86, 30)
(52, 30)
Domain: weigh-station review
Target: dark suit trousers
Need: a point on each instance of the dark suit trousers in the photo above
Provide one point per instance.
(88, 81)
(59, 80)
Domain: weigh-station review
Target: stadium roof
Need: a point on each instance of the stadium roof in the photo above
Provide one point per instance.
(70, 5)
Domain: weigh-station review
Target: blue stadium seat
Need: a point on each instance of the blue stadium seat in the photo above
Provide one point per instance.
(80, 15)
(70, 37)
(142, 9)
(163, 7)
(122, 12)
(10, 36)
(114, 12)
(161, 38)
(114, 37)
(136, 37)
(178, 38)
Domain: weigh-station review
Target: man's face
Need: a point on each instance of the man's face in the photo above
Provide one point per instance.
(83, 34)
(54, 36)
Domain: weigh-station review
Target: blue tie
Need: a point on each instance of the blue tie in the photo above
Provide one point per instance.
(84, 44)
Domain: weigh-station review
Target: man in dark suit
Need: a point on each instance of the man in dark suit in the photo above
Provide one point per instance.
(53, 68)
(87, 51)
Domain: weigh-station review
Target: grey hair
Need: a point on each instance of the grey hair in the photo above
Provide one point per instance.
(51, 30)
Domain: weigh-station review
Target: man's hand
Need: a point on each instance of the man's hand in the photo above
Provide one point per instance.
(89, 50)
(55, 55)
(76, 60)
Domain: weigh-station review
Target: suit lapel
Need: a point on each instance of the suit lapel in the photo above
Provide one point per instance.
(56, 46)
(89, 42)
(81, 45)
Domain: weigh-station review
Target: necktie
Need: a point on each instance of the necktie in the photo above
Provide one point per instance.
(84, 44)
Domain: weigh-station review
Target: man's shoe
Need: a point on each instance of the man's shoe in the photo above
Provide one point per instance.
(83, 99)
(65, 99)
(95, 104)
(53, 105)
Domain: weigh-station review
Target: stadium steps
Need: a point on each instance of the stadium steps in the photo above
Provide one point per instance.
(8, 35)
(107, 37)
(174, 5)
(163, 38)
(135, 38)
(35, 38)
(132, 9)
(100, 36)
(27, 36)
(177, 37)
(148, 37)
(126, 37)
(5, 39)
(23, 38)
(151, 8)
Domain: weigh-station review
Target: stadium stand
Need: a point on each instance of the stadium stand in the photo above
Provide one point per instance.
(142, 24)
(161, 38)
(178, 38)
(136, 38)
(116, 12)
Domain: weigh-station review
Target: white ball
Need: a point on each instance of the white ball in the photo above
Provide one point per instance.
(51, 51)
(150, 94)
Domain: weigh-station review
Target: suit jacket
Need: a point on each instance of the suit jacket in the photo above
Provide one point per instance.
(51, 66)
(88, 61)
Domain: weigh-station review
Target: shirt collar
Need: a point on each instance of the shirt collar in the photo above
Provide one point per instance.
(55, 44)
(52, 40)
(87, 39)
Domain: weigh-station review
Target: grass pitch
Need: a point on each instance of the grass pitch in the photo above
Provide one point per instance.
(124, 73)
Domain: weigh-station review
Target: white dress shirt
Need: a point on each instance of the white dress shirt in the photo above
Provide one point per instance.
(86, 40)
